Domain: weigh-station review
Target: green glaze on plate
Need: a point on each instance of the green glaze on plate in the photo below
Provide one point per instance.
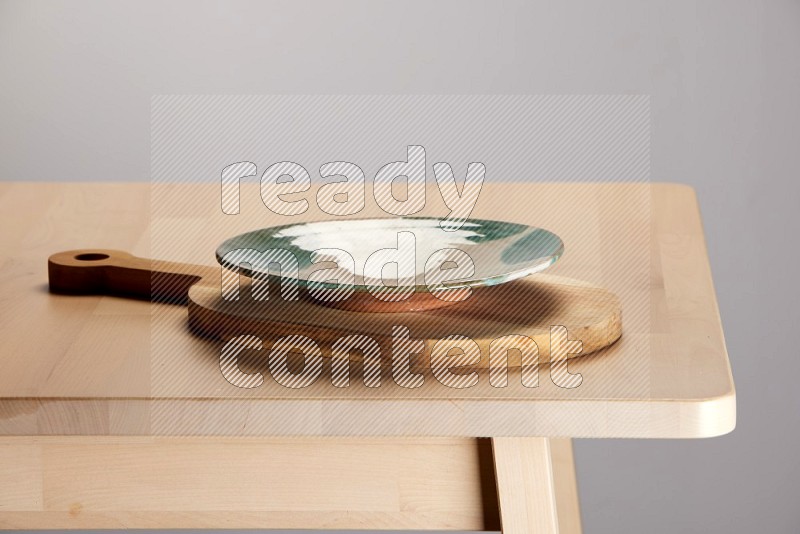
(500, 251)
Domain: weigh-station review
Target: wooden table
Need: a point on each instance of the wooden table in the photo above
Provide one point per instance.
(113, 415)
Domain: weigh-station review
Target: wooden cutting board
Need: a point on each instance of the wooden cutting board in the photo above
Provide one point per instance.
(528, 307)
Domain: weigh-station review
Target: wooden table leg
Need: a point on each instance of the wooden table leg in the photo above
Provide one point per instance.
(536, 485)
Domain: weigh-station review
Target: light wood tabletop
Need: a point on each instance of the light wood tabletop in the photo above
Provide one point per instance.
(123, 389)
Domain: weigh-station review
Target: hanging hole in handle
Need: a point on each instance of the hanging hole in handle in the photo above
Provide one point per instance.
(92, 256)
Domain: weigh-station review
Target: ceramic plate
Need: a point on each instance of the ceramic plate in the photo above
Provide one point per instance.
(500, 251)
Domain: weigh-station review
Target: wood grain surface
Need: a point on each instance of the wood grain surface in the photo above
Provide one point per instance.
(222, 483)
(107, 365)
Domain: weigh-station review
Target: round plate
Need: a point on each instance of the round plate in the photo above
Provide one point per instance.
(500, 251)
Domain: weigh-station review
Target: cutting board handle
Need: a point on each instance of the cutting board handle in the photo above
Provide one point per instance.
(115, 272)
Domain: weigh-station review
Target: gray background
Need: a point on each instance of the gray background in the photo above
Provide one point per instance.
(724, 76)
